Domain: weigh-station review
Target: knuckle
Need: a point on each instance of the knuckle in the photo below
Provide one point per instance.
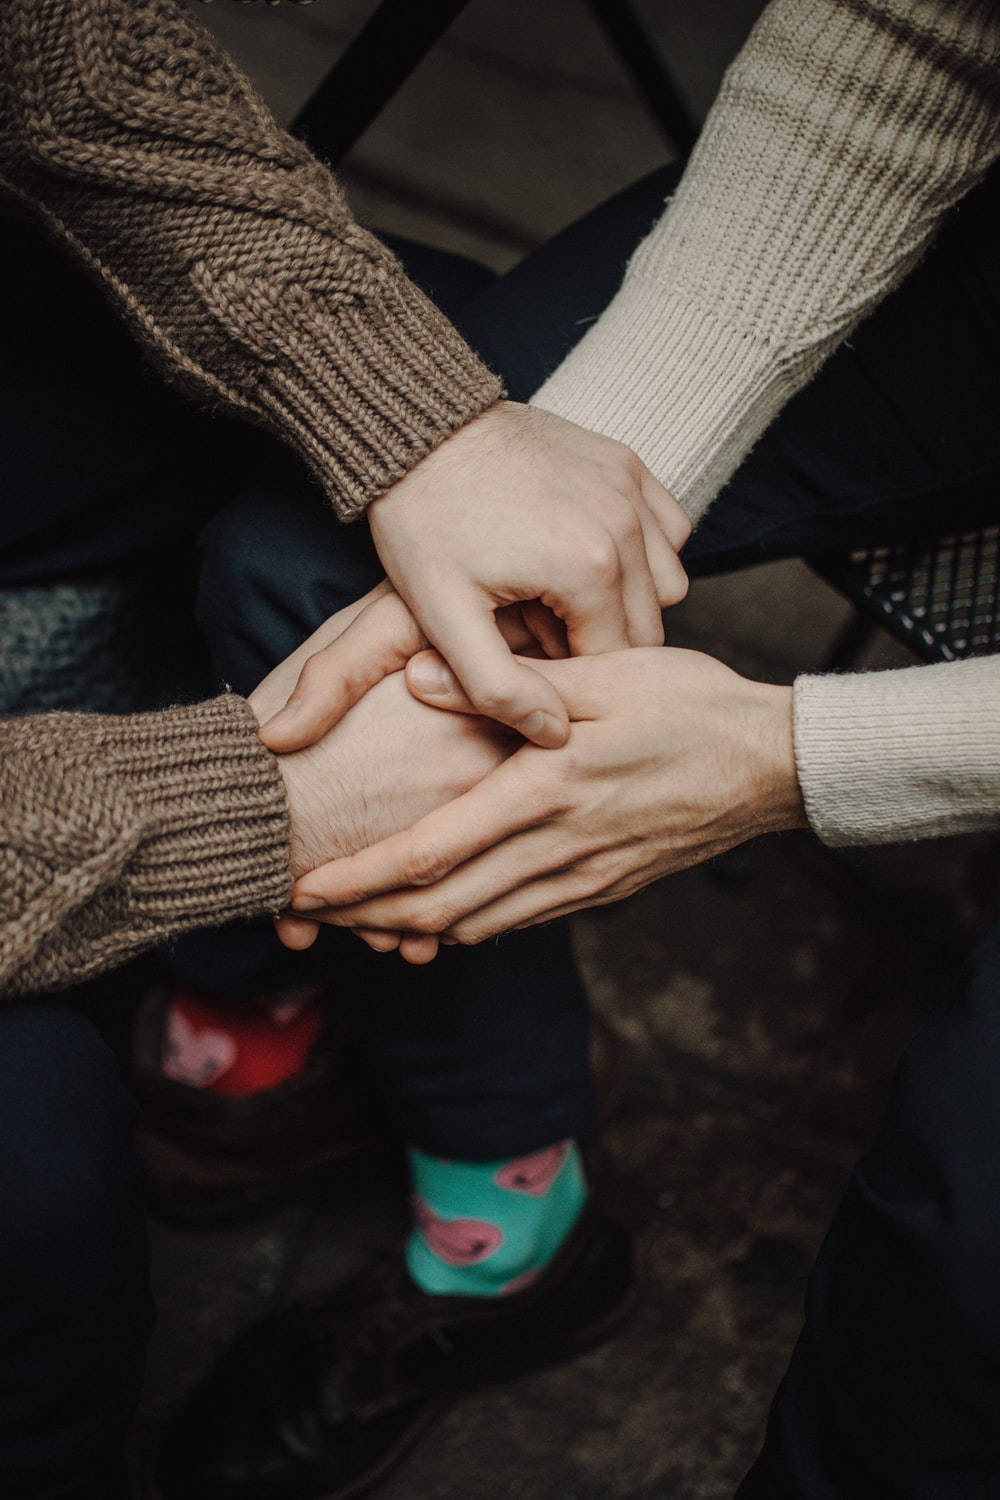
(432, 919)
(627, 523)
(425, 866)
(625, 461)
(494, 702)
(601, 560)
(634, 531)
(468, 934)
(633, 465)
(616, 449)
(603, 870)
(313, 672)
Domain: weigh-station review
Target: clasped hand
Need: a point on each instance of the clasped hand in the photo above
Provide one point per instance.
(672, 758)
(517, 508)
(521, 538)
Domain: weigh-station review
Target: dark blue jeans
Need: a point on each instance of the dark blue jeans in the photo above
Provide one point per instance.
(75, 1305)
(481, 1054)
(893, 1389)
(893, 1392)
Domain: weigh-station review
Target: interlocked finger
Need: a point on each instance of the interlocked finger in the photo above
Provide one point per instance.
(445, 906)
(378, 642)
(502, 804)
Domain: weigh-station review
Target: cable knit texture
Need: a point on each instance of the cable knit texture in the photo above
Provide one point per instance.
(120, 832)
(910, 754)
(841, 134)
(228, 247)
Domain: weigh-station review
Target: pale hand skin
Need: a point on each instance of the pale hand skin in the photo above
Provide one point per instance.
(389, 762)
(519, 505)
(672, 758)
(355, 649)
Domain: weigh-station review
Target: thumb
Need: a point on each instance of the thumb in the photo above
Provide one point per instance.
(495, 683)
(296, 932)
(377, 643)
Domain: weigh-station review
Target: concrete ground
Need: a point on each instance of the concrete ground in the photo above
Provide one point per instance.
(750, 1012)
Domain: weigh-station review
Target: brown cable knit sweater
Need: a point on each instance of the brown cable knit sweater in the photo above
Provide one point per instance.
(233, 256)
(119, 832)
(232, 253)
(228, 248)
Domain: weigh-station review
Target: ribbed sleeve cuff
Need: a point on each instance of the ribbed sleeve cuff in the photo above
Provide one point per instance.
(886, 757)
(686, 391)
(364, 386)
(212, 802)
(118, 833)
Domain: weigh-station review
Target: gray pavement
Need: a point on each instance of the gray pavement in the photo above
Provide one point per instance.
(749, 1013)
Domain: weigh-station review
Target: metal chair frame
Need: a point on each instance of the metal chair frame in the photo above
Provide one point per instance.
(400, 33)
(941, 598)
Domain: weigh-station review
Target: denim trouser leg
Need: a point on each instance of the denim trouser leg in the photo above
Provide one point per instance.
(484, 1052)
(894, 1389)
(75, 1306)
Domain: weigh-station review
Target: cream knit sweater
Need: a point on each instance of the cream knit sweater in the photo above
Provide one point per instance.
(842, 133)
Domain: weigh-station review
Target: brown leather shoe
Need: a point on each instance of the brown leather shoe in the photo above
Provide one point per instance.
(212, 1157)
(325, 1397)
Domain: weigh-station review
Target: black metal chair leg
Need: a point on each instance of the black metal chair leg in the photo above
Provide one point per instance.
(400, 33)
(377, 62)
(641, 57)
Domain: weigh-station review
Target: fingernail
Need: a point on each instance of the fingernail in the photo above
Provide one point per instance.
(543, 727)
(307, 903)
(432, 676)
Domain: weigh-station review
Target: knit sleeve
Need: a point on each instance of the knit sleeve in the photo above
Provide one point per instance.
(885, 757)
(842, 133)
(229, 249)
(117, 833)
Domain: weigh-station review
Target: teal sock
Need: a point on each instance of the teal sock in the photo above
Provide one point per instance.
(485, 1228)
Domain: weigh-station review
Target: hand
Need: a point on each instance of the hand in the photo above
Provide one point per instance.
(519, 506)
(522, 505)
(672, 758)
(356, 648)
(390, 761)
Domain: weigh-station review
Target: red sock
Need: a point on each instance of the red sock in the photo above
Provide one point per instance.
(238, 1046)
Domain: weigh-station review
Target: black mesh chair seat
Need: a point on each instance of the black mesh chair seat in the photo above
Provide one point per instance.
(939, 598)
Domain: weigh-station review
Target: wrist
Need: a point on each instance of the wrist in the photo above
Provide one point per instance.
(776, 794)
(289, 777)
(452, 448)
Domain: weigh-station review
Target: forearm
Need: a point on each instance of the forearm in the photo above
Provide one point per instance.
(840, 136)
(226, 245)
(885, 757)
(120, 832)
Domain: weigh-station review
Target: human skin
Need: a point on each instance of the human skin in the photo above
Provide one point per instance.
(672, 758)
(518, 505)
(389, 761)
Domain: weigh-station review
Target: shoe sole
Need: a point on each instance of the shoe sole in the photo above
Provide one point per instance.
(436, 1410)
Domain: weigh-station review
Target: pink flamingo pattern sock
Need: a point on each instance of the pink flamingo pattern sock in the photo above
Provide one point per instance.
(488, 1228)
